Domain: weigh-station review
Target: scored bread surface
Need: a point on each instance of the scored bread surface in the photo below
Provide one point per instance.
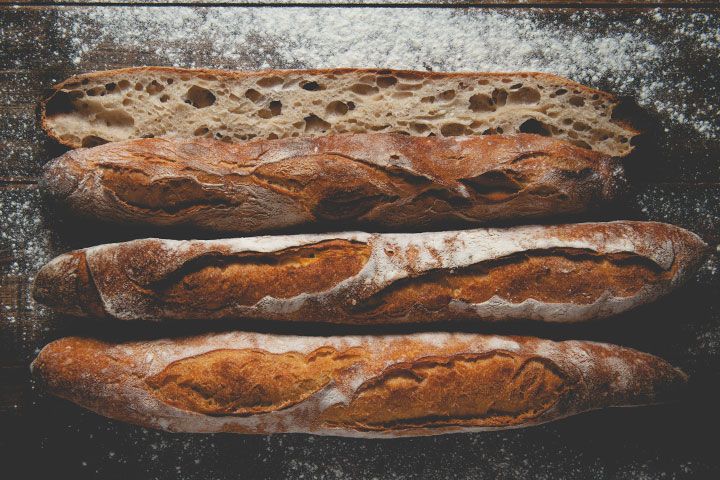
(100, 107)
(359, 386)
(560, 273)
(385, 181)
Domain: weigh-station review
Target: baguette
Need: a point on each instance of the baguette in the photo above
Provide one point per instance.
(355, 386)
(90, 109)
(360, 181)
(565, 273)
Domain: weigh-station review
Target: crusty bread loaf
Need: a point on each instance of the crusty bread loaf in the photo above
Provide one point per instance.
(355, 180)
(560, 273)
(371, 386)
(95, 108)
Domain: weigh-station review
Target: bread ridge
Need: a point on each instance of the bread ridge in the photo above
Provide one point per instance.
(357, 277)
(371, 376)
(367, 181)
(602, 115)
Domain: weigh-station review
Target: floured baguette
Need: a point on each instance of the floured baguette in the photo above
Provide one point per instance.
(95, 108)
(368, 386)
(363, 181)
(563, 273)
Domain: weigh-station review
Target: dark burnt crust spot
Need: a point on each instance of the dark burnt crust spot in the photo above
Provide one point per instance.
(243, 382)
(491, 389)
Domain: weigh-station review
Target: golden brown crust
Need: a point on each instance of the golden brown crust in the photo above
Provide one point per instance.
(496, 389)
(214, 281)
(236, 382)
(550, 273)
(550, 276)
(368, 181)
(380, 386)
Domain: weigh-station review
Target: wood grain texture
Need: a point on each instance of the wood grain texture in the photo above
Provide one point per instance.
(675, 176)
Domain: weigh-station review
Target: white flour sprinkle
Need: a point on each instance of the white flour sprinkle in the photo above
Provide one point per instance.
(625, 58)
(23, 236)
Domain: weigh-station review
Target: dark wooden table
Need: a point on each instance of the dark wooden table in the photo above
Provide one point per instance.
(664, 57)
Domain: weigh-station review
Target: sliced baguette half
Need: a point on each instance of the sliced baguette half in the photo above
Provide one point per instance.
(95, 108)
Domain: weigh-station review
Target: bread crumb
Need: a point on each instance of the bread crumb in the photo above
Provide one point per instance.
(628, 58)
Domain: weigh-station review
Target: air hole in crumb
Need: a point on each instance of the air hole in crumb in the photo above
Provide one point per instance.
(272, 136)
(601, 135)
(154, 88)
(363, 89)
(534, 126)
(95, 91)
(313, 123)
(499, 97)
(270, 82)
(92, 141)
(481, 103)
(169, 81)
(525, 95)
(337, 108)
(311, 86)
(409, 86)
(580, 126)
(253, 95)
(139, 86)
(110, 86)
(452, 129)
(199, 132)
(576, 101)
(164, 98)
(560, 91)
(126, 102)
(447, 95)
(483, 82)
(115, 118)
(276, 108)
(351, 105)
(63, 102)
(567, 121)
(199, 97)
(516, 86)
(385, 82)
(123, 84)
(429, 99)
(402, 94)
